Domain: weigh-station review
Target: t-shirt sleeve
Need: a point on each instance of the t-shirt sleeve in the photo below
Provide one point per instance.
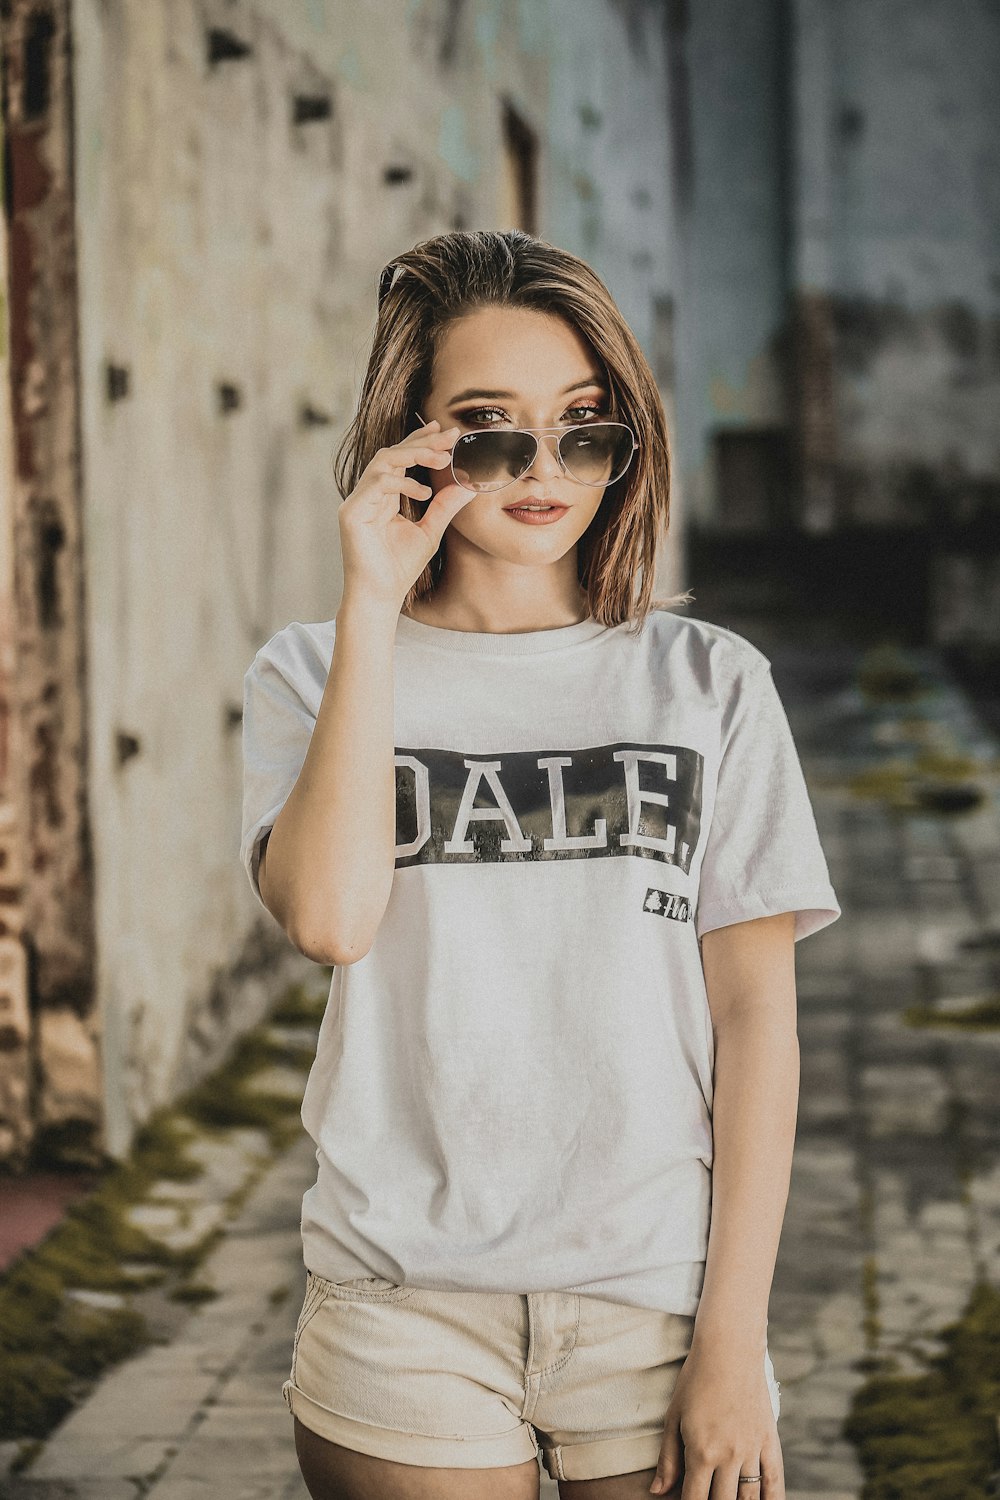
(763, 854)
(278, 722)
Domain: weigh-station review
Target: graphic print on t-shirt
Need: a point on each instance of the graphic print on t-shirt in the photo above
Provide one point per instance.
(623, 798)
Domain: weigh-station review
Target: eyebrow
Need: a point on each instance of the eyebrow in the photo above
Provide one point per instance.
(477, 395)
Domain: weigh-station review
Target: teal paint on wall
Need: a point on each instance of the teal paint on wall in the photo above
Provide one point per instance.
(349, 66)
(532, 25)
(453, 145)
(316, 14)
(487, 27)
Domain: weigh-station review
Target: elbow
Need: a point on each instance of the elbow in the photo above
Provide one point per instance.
(320, 948)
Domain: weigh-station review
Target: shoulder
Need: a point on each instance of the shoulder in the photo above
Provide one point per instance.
(291, 668)
(718, 660)
(298, 650)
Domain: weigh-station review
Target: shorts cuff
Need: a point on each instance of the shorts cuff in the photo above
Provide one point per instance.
(603, 1457)
(486, 1451)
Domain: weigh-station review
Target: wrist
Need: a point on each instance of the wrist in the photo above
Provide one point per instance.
(734, 1333)
(368, 611)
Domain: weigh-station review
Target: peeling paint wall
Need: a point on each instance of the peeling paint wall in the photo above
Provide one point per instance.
(243, 172)
(50, 1083)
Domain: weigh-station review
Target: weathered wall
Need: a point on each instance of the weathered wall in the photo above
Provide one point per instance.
(232, 217)
(906, 247)
(730, 202)
(50, 1085)
(835, 171)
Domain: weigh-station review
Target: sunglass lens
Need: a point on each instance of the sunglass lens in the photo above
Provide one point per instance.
(597, 453)
(489, 460)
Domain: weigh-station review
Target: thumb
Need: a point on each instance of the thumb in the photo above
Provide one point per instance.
(446, 504)
(670, 1468)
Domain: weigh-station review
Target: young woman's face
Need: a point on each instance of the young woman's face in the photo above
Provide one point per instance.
(515, 367)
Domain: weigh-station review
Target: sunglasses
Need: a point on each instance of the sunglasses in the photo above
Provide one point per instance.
(591, 453)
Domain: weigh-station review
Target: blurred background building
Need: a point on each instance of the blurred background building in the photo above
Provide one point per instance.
(796, 205)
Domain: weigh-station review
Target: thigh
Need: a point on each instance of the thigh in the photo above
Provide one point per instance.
(333, 1472)
(634, 1486)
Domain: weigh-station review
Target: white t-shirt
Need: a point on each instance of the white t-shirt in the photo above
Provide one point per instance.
(513, 1088)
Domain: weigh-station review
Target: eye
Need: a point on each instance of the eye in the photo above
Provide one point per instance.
(475, 416)
(581, 410)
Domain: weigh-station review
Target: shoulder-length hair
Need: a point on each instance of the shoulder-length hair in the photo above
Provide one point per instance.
(425, 290)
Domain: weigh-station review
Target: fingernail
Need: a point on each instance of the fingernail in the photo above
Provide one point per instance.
(656, 1488)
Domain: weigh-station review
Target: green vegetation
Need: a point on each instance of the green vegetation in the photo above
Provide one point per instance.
(935, 1434)
(930, 774)
(981, 1015)
(930, 782)
(53, 1346)
(886, 675)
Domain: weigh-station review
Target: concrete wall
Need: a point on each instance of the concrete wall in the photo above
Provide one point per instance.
(835, 169)
(915, 254)
(228, 258)
(730, 204)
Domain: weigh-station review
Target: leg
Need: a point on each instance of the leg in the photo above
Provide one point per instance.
(332, 1472)
(634, 1486)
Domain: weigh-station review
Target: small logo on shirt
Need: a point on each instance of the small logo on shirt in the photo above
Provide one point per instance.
(667, 904)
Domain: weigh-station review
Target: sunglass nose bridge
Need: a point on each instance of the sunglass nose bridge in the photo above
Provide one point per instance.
(540, 437)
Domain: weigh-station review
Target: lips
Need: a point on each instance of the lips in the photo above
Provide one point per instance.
(555, 504)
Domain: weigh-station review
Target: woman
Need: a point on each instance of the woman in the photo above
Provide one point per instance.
(556, 841)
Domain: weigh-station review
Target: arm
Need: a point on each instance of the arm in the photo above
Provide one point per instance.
(326, 870)
(750, 977)
(720, 1423)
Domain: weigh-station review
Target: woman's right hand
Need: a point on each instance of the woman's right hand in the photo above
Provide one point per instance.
(384, 551)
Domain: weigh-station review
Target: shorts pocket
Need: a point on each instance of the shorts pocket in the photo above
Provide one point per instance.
(316, 1291)
(365, 1289)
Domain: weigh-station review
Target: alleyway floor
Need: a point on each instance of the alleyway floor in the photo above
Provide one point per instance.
(894, 1210)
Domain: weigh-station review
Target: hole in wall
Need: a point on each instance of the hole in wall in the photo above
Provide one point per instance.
(38, 39)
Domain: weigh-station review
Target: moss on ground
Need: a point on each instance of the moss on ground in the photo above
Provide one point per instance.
(886, 675)
(935, 1434)
(52, 1347)
(299, 1006)
(935, 776)
(981, 1015)
(931, 782)
(228, 1098)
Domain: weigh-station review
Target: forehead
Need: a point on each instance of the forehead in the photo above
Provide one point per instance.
(512, 348)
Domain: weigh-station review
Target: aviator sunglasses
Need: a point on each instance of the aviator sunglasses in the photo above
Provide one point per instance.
(590, 453)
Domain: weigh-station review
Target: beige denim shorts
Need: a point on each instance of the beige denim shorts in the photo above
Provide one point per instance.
(454, 1379)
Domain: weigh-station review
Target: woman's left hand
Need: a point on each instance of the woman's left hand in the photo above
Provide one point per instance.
(720, 1424)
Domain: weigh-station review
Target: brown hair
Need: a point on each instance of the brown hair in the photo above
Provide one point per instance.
(443, 278)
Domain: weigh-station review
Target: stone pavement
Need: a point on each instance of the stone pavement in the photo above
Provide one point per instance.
(895, 1195)
(892, 1212)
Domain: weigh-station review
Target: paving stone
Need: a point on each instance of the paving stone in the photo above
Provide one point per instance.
(100, 1458)
(98, 1300)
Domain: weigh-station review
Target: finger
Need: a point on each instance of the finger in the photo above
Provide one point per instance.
(413, 487)
(431, 438)
(726, 1483)
(670, 1466)
(772, 1472)
(395, 459)
(442, 509)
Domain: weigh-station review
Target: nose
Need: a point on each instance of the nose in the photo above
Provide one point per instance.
(545, 464)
